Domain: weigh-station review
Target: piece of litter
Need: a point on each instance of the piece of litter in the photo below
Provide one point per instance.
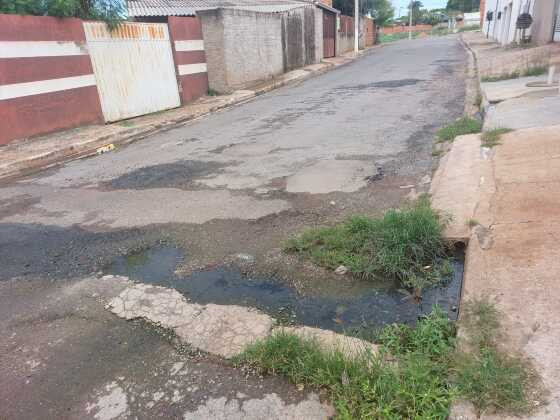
(406, 186)
(341, 270)
(105, 149)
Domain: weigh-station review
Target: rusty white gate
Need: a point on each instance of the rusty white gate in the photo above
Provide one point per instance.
(133, 67)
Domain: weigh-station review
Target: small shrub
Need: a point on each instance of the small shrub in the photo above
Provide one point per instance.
(462, 126)
(491, 138)
(212, 92)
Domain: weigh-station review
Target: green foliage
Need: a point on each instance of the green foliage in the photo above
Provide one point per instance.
(532, 71)
(110, 11)
(491, 138)
(367, 386)
(463, 6)
(462, 126)
(382, 10)
(469, 28)
(490, 379)
(415, 375)
(405, 244)
(385, 38)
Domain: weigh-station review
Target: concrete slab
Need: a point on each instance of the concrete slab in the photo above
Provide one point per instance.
(524, 113)
(503, 90)
(329, 340)
(455, 186)
(514, 258)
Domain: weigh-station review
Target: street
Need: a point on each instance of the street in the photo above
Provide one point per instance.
(355, 140)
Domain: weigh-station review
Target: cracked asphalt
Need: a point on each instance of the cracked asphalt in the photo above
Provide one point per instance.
(357, 139)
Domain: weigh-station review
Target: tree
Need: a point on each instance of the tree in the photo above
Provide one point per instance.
(110, 11)
(382, 10)
(463, 5)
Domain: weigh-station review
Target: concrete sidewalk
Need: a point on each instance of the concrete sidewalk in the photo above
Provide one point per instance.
(513, 258)
(25, 156)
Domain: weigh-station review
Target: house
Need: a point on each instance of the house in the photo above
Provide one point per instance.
(504, 19)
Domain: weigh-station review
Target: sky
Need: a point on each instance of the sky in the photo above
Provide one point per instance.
(428, 4)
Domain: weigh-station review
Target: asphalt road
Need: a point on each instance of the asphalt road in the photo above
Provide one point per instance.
(357, 139)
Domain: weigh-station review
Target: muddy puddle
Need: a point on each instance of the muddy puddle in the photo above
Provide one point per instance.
(364, 307)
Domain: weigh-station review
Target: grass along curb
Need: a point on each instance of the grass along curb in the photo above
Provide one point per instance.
(417, 373)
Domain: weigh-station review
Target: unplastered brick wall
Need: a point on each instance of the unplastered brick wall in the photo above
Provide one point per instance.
(46, 77)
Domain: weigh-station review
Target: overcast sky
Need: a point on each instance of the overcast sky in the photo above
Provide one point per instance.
(428, 4)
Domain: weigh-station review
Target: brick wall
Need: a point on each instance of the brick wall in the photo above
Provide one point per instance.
(399, 29)
(189, 56)
(369, 31)
(46, 77)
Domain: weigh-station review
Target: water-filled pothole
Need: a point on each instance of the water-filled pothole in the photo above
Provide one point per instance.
(366, 307)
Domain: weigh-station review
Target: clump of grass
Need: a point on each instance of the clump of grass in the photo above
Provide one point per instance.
(469, 28)
(367, 386)
(406, 245)
(462, 126)
(212, 92)
(491, 138)
(437, 153)
(531, 71)
(489, 378)
(416, 374)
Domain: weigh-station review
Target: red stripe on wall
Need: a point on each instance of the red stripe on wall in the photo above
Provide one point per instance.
(185, 28)
(194, 86)
(39, 114)
(40, 28)
(32, 69)
(190, 57)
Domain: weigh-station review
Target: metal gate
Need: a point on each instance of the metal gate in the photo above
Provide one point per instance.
(329, 33)
(133, 67)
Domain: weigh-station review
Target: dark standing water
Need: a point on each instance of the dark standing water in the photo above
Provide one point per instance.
(367, 307)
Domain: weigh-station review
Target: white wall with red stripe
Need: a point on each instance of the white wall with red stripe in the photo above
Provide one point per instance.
(47, 82)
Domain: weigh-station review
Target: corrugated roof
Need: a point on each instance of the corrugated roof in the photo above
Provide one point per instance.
(189, 7)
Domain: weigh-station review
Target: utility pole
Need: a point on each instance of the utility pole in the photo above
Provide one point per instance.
(356, 24)
(409, 20)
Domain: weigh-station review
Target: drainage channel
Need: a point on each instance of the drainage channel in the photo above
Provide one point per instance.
(366, 308)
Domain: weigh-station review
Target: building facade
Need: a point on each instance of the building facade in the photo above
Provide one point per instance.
(501, 16)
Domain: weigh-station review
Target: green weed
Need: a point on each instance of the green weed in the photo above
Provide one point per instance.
(491, 138)
(462, 126)
(469, 28)
(368, 386)
(532, 71)
(406, 245)
(212, 92)
(416, 374)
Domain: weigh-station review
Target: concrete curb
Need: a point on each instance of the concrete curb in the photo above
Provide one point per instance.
(72, 151)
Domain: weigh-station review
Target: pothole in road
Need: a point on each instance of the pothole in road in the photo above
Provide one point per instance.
(181, 174)
(366, 306)
(382, 84)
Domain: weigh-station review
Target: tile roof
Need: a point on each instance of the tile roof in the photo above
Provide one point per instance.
(189, 7)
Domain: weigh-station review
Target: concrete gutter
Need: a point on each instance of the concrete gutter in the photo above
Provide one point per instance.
(30, 155)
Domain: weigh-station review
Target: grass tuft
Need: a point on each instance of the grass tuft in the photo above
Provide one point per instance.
(491, 138)
(367, 386)
(532, 71)
(462, 126)
(416, 374)
(406, 245)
